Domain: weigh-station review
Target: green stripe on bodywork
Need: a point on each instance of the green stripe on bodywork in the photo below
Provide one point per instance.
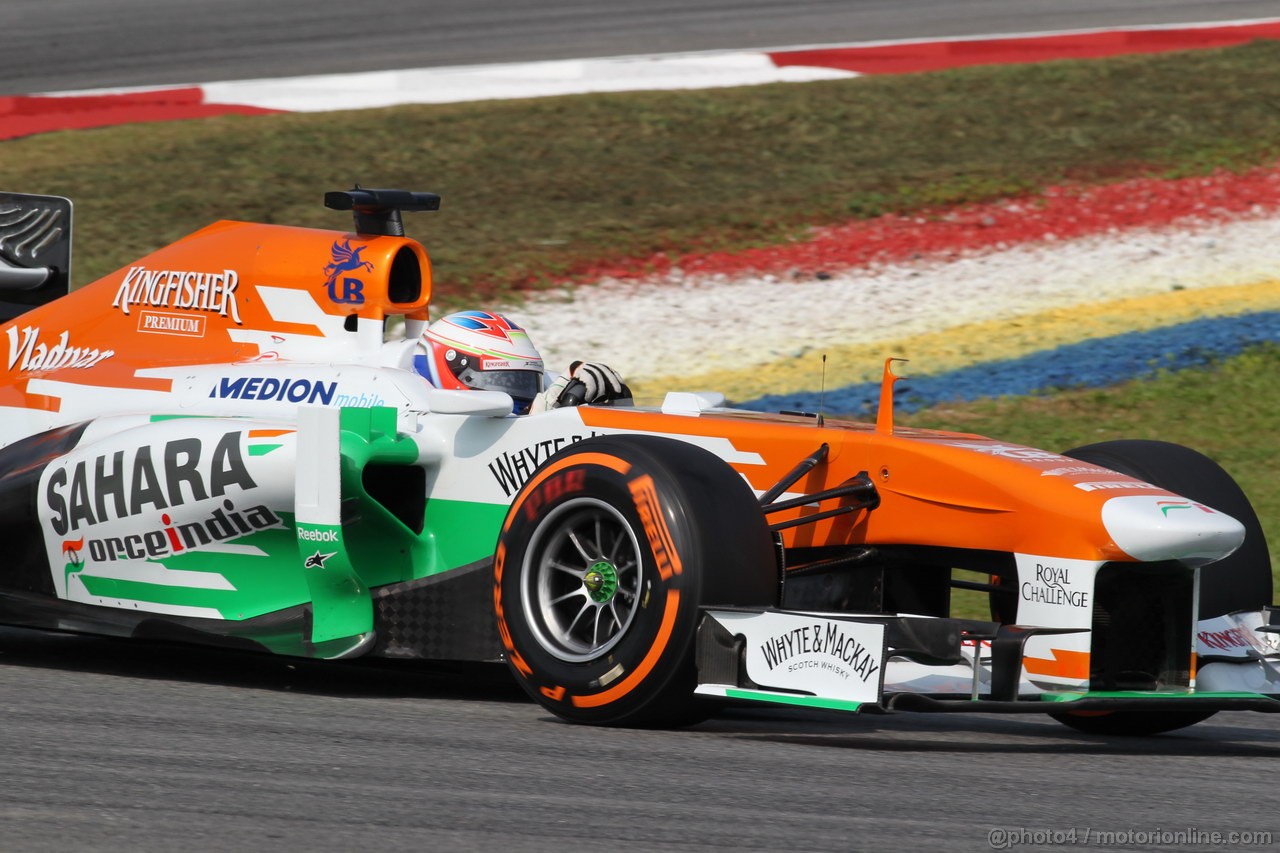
(1069, 696)
(340, 603)
(261, 583)
(263, 449)
(789, 699)
(382, 549)
(464, 532)
(157, 593)
(373, 548)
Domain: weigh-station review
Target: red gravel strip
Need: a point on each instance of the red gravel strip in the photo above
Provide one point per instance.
(1056, 213)
(908, 57)
(24, 115)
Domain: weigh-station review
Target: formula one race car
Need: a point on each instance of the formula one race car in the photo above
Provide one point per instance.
(219, 444)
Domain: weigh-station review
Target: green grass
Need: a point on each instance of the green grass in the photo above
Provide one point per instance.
(534, 190)
(1227, 412)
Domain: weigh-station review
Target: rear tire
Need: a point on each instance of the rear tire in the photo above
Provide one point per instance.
(604, 561)
(1241, 581)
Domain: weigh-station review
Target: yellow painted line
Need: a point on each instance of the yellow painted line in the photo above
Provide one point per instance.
(973, 343)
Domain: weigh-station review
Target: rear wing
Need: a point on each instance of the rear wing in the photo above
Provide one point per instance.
(35, 251)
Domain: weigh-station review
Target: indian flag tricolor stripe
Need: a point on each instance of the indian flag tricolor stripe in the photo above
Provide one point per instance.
(260, 443)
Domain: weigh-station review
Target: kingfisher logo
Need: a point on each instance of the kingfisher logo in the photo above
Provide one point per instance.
(345, 289)
(278, 390)
(180, 289)
(179, 325)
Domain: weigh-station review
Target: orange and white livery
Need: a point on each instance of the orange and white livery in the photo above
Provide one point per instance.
(225, 441)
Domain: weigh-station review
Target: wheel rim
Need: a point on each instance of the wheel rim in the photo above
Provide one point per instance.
(581, 579)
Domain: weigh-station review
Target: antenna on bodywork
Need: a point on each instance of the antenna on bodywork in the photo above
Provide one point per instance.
(884, 417)
(822, 390)
(376, 211)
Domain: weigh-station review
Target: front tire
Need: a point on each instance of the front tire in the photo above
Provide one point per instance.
(604, 561)
(1241, 581)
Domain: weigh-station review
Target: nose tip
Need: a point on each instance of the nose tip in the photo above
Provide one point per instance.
(1166, 527)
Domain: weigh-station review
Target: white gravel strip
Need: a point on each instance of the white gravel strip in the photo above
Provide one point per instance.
(514, 80)
(456, 84)
(695, 324)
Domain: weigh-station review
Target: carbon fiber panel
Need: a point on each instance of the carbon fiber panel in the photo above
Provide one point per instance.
(26, 567)
(443, 617)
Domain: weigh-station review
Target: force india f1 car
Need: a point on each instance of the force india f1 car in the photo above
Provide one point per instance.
(218, 444)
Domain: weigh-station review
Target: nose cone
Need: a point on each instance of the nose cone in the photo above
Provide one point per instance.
(1166, 527)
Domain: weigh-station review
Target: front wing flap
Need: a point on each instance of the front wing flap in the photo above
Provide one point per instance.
(844, 662)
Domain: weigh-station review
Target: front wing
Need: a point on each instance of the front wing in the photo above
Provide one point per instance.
(878, 663)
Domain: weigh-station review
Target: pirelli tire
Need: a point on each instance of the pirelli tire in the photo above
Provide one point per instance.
(603, 562)
(1241, 581)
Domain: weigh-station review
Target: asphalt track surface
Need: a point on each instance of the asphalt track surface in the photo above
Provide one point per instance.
(110, 745)
(113, 745)
(55, 45)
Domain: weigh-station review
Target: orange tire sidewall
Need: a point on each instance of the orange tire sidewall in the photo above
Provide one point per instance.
(658, 640)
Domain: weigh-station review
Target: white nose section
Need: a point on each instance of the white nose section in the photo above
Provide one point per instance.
(1154, 527)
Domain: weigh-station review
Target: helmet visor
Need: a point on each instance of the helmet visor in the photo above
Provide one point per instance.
(522, 385)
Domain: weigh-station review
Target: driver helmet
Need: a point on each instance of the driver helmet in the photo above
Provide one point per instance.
(482, 351)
